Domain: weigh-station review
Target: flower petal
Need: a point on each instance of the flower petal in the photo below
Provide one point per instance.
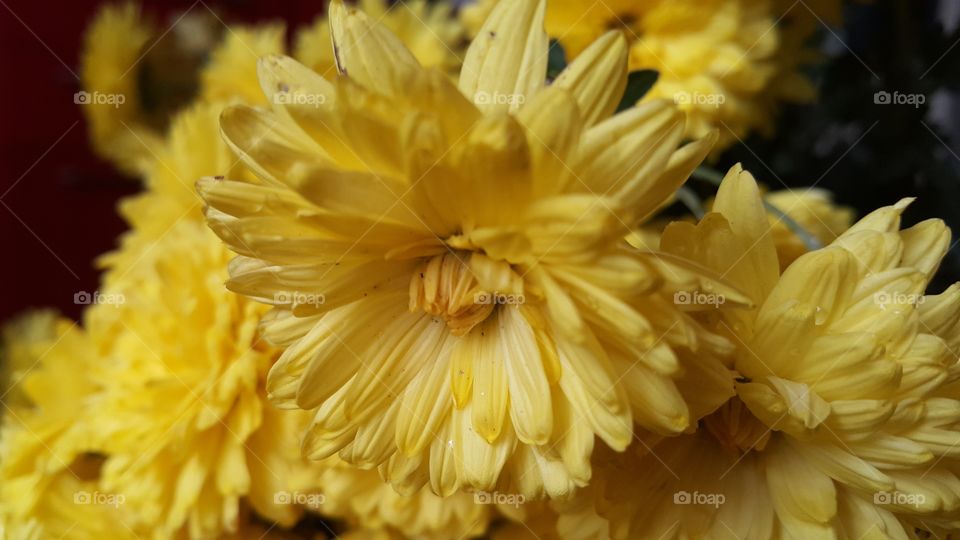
(507, 62)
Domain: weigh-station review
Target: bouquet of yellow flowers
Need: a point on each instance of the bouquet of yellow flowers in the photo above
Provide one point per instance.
(421, 279)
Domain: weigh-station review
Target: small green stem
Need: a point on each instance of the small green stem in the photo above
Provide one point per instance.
(707, 174)
(691, 200)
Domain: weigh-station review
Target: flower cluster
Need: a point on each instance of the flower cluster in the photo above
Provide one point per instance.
(382, 291)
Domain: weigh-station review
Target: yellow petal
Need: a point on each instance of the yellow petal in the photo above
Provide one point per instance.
(287, 82)
(597, 77)
(553, 127)
(426, 405)
(369, 53)
(738, 200)
(807, 512)
(490, 384)
(924, 245)
(506, 64)
(624, 156)
(530, 407)
(479, 462)
(270, 147)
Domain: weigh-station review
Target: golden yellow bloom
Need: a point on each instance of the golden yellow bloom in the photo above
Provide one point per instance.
(190, 432)
(447, 265)
(713, 58)
(119, 129)
(232, 72)
(72, 508)
(363, 499)
(839, 427)
(136, 78)
(194, 149)
(188, 382)
(23, 341)
(716, 58)
(48, 485)
(429, 31)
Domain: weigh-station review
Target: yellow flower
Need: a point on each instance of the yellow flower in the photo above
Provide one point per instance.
(48, 482)
(194, 149)
(119, 128)
(119, 58)
(447, 264)
(72, 508)
(428, 30)
(363, 499)
(838, 426)
(232, 72)
(716, 58)
(194, 347)
(24, 341)
(190, 433)
(135, 80)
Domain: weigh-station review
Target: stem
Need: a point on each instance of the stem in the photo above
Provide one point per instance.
(690, 199)
(707, 174)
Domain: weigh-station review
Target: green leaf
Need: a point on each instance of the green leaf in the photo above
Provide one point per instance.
(638, 84)
(556, 61)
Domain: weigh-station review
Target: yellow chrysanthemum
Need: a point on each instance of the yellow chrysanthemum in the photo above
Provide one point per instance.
(713, 58)
(187, 388)
(232, 72)
(449, 276)
(429, 31)
(190, 433)
(840, 426)
(135, 81)
(157, 78)
(365, 501)
(194, 149)
(113, 46)
(48, 483)
(23, 341)
(716, 59)
(72, 508)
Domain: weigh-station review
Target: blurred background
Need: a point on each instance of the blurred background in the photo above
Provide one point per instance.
(886, 126)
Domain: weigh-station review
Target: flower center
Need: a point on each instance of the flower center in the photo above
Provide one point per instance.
(463, 288)
(736, 429)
